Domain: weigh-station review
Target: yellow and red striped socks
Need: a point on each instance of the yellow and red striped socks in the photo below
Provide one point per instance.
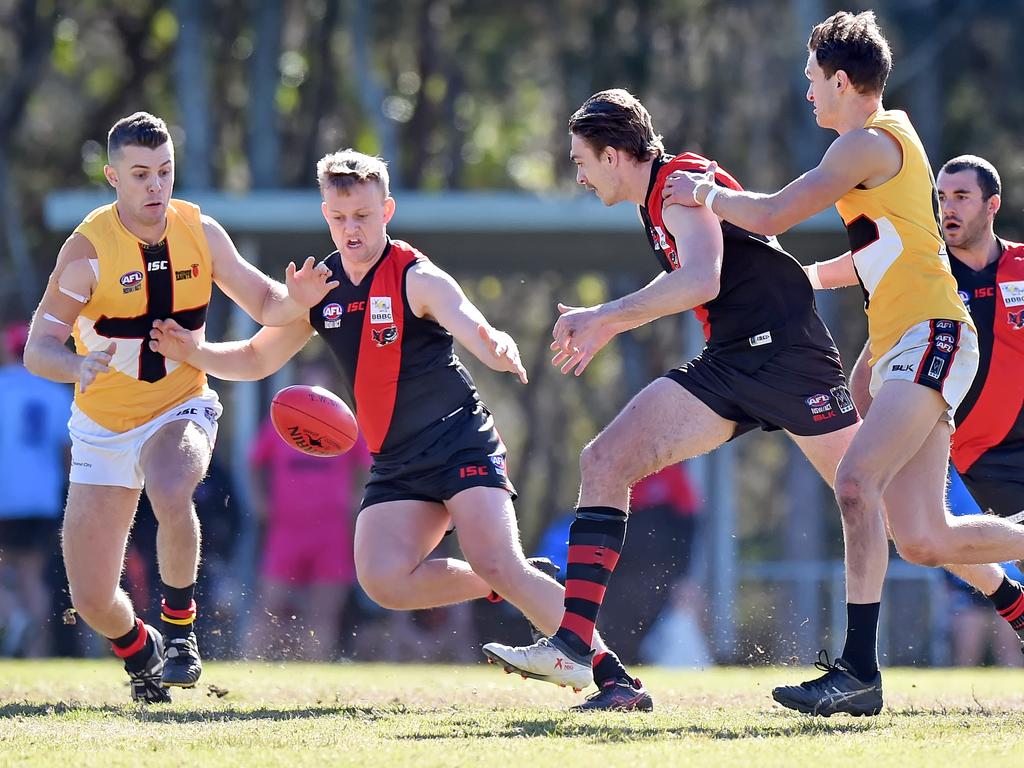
(595, 541)
(178, 611)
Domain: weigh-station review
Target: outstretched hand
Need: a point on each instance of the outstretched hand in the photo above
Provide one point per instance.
(171, 340)
(580, 333)
(94, 364)
(506, 353)
(308, 285)
(680, 186)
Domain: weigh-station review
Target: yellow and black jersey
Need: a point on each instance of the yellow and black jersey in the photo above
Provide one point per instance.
(138, 283)
(897, 249)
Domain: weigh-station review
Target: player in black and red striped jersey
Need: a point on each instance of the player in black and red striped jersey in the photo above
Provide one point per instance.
(988, 445)
(769, 363)
(438, 460)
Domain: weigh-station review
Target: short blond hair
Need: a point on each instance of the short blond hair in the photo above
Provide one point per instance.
(344, 169)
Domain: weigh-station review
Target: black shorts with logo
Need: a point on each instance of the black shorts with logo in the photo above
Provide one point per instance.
(997, 484)
(462, 450)
(800, 388)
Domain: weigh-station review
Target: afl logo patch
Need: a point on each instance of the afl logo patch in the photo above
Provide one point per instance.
(131, 281)
(332, 315)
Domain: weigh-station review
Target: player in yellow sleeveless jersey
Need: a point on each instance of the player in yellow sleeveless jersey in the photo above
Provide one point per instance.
(924, 347)
(139, 419)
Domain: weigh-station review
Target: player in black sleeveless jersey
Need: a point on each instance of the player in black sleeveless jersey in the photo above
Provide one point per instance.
(437, 458)
(769, 360)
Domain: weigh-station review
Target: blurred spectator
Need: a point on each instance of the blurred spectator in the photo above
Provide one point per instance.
(33, 468)
(977, 633)
(306, 505)
(654, 567)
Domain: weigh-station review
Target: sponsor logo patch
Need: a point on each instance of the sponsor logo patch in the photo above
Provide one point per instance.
(187, 274)
(1013, 293)
(821, 407)
(935, 369)
(332, 315)
(843, 400)
(380, 310)
(131, 281)
(384, 336)
(761, 339)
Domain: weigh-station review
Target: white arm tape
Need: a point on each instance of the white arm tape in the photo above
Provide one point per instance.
(73, 295)
(814, 277)
(712, 194)
(52, 319)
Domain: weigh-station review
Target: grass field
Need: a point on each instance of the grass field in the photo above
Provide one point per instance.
(76, 713)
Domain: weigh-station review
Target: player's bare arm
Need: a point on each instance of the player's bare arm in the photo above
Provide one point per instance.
(865, 158)
(251, 359)
(68, 289)
(266, 301)
(581, 332)
(834, 273)
(435, 294)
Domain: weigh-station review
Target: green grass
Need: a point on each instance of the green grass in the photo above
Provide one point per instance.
(76, 713)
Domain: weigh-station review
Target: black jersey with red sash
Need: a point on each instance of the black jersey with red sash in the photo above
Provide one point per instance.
(765, 301)
(990, 420)
(399, 370)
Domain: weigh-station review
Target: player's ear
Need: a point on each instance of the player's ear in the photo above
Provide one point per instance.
(111, 175)
(993, 204)
(389, 208)
(842, 80)
(323, 210)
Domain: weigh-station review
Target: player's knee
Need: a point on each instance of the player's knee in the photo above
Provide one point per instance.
(920, 548)
(599, 460)
(171, 498)
(856, 492)
(383, 584)
(499, 572)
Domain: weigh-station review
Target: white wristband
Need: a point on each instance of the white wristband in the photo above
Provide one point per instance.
(814, 277)
(712, 194)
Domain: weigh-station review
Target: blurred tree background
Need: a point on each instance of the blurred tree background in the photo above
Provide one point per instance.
(463, 95)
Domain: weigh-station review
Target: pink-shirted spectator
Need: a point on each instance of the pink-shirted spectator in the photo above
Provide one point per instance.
(307, 506)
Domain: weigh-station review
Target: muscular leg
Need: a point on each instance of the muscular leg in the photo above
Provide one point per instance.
(95, 533)
(392, 541)
(986, 578)
(174, 461)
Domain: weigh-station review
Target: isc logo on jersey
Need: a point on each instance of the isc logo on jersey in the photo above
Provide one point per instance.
(131, 281)
(1013, 293)
(380, 310)
(332, 315)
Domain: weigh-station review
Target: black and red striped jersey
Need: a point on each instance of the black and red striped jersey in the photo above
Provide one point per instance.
(990, 420)
(765, 300)
(400, 371)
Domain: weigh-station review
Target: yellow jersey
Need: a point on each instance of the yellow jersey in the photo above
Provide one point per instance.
(138, 283)
(897, 249)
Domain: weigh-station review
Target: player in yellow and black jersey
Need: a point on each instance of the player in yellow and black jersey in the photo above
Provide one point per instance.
(923, 343)
(139, 419)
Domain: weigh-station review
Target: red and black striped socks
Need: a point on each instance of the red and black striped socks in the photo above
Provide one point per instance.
(178, 611)
(1008, 599)
(595, 541)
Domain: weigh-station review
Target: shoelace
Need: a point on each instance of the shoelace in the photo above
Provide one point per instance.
(825, 664)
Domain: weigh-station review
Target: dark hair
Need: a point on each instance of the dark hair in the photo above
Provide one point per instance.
(988, 176)
(616, 118)
(343, 170)
(139, 130)
(854, 44)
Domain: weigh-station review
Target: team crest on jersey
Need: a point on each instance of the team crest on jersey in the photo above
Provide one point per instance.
(332, 315)
(131, 281)
(186, 274)
(380, 310)
(1013, 293)
(1015, 319)
(384, 336)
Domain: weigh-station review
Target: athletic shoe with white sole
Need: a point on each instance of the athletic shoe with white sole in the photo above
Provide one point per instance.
(548, 659)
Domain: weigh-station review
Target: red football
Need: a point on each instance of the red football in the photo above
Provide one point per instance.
(313, 420)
